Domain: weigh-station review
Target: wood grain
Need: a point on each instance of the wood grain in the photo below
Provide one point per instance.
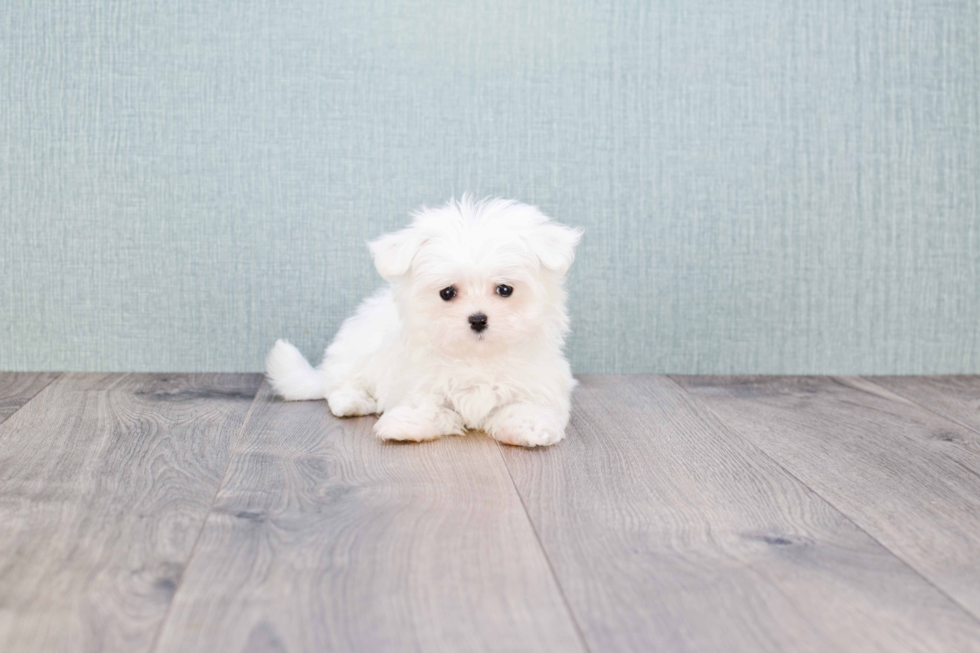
(669, 532)
(105, 482)
(954, 397)
(907, 476)
(17, 388)
(325, 539)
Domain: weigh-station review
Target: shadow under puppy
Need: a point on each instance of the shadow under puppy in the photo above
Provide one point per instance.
(467, 334)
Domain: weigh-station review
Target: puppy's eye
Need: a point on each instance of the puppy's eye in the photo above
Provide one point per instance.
(504, 290)
(448, 293)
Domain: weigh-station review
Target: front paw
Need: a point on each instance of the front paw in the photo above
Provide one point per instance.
(348, 401)
(528, 427)
(406, 425)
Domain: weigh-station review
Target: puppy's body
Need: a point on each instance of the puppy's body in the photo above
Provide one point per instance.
(487, 357)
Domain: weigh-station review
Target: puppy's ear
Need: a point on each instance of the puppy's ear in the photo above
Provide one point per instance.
(393, 253)
(554, 245)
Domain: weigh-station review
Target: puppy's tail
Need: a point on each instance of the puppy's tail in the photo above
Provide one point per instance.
(291, 375)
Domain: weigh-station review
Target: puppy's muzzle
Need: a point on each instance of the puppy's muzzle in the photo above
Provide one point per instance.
(478, 322)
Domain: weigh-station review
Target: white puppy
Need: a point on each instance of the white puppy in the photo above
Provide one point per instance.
(467, 335)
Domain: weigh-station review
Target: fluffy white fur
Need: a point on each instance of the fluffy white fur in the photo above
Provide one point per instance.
(413, 358)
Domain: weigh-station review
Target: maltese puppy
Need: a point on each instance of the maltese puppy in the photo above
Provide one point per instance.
(468, 334)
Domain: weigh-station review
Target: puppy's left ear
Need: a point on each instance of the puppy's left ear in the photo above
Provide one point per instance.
(393, 253)
(554, 245)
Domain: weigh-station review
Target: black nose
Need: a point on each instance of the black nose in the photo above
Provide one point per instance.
(478, 322)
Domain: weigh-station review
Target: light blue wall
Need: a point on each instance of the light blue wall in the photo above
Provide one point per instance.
(766, 185)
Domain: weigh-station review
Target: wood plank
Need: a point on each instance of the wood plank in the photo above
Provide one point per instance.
(904, 474)
(669, 532)
(954, 397)
(17, 388)
(325, 539)
(105, 482)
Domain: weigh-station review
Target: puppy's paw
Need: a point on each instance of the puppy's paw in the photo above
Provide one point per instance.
(407, 425)
(348, 401)
(527, 426)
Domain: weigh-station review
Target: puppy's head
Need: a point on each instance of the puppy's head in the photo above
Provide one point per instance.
(472, 278)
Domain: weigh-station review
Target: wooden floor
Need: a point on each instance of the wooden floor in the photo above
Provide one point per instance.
(190, 513)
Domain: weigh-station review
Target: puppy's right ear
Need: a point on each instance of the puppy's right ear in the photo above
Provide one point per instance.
(554, 244)
(393, 253)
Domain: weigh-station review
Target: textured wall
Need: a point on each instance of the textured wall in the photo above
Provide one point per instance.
(766, 185)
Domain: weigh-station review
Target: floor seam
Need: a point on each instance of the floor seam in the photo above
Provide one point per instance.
(57, 375)
(204, 522)
(544, 552)
(972, 429)
(844, 515)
